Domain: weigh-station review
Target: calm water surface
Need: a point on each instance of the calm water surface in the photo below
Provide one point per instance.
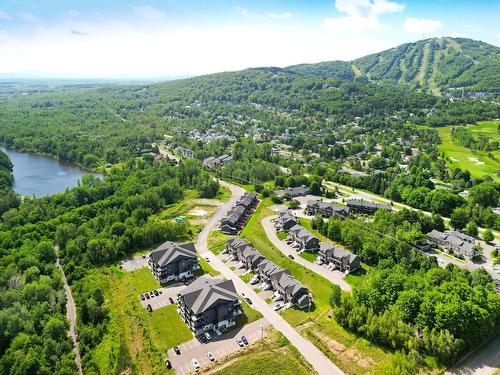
(41, 175)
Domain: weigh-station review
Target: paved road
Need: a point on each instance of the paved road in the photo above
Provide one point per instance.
(484, 363)
(335, 277)
(71, 315)
(312, 354)
(220, 346)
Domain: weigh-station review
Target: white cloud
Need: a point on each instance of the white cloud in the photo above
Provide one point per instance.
(28, 17)
(421, 25)
(5, 16)
(360, 15)
(119, 49)
(244, 11)
(149, 13)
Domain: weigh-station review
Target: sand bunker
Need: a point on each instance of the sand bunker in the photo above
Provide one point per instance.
(454, 159)
(198, 212)
(475, 160)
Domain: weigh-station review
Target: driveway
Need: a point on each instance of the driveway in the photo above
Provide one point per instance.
(311, 353)
(336, 277)
(134, 263)
(220, 346)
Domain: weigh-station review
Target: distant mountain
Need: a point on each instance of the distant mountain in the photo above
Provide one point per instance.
(435, 65)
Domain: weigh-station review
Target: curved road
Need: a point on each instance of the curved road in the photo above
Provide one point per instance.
(312, 354)
(336, 277)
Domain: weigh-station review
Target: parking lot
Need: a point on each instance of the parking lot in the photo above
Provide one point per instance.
(134, 263)
(162, 299)
(220, 347)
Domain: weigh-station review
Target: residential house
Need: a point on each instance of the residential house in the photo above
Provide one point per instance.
(337, 258)
(454, 241)
(366, 207)
(325, 209)
(285, 220)
(304, 238)
(239, 214)
(217, 162)
(209, 303)
(185, 152)
(173, 261)
(290, 289)
(293, 192)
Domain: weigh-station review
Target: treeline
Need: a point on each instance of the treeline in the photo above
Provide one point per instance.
(6, 178)
(409, 303)
(93, 224)
(480, 143)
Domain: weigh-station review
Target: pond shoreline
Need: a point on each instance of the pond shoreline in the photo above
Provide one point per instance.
(37, 174)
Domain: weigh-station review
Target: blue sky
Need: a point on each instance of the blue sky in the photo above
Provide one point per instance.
(165, 38)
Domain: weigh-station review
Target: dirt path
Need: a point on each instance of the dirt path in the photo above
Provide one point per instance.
(71, 315)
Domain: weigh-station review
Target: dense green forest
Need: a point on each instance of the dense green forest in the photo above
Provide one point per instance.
(408, 302)
(93, 224)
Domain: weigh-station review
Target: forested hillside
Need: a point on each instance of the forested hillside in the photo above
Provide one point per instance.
(436, 65)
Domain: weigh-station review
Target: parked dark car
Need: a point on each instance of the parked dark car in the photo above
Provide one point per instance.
(147, 295)
(151, 294)
(291, 256)
(143, 256)
(156, 293)
(170, 300)
(149, 308)
(168, 364)
(142, 297)
(249, 301)
(244, 339)
(177, 350)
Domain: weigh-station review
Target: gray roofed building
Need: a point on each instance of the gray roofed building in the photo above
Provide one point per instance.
(338, 258)
(290, 289)
(292, 191)
(239, 213)
(285, 220)
(325, 209)
(209, 303)
(454, 241)
(303, 237)
(216, 162)
(173, 261)
(366, 207)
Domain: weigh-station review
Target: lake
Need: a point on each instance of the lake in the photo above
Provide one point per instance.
(41, 175)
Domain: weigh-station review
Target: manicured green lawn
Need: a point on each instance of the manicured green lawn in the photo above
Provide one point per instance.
(217, 241)
(282, 235)
(205, 267)
(311, 257)
(358, 277)
(167, 328)
(142, 280)
(465, 158)
(246, 278)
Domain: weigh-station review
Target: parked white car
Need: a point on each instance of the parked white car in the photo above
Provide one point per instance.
(277, 306)
(210, 356)
(195, 363)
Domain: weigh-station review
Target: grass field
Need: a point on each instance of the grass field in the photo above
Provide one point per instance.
(272, 356)
(134, 341)
(216, 241)
(478, 163)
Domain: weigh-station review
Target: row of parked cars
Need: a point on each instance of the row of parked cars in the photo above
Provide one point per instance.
(243, 341)
(152, 294)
